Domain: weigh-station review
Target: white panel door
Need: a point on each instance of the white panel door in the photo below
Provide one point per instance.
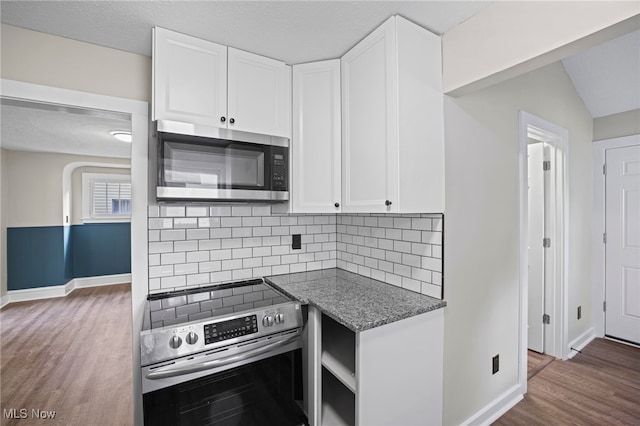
(369, 132)
(190, 79)
(622, 201)
(536, 251)
(259, 94)
(316, 142)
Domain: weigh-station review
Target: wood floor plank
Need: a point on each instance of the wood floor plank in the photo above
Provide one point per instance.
(71, 355)
(600, 386)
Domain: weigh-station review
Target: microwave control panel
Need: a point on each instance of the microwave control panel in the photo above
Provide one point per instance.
(279, 169)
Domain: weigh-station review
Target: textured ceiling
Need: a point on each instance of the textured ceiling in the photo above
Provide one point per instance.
(608, 76)
(291, 31)
(29, 126)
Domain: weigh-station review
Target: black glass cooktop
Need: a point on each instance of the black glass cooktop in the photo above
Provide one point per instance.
(182, 306)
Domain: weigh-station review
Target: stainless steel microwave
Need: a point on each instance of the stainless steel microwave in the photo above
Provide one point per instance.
(220, 165)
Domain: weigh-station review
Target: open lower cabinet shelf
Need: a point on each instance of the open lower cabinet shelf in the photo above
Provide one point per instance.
(339, 352)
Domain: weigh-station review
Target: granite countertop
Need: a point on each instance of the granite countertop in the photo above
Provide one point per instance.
(355, 301)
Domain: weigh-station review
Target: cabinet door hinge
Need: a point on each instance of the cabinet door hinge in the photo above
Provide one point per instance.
(546, 242)
(604, 169)
(604, 238)
(546, 319)
(604, 306)
(546, 165)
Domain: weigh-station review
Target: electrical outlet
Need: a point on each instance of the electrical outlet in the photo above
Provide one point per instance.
(496, 364)
(579, 312)
(296, 242)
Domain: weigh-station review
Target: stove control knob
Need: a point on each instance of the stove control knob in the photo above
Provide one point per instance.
(191, 338)
(175, 341)
(279, 318)
(267, 321)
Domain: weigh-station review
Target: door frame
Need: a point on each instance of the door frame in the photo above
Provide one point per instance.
(139, 112)
(599, 209)
(558, 138)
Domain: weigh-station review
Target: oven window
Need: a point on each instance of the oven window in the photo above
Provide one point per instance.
(263, 393)
(228, 166)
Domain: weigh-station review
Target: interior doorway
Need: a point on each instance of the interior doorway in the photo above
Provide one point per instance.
(543, 239)
(616, 239)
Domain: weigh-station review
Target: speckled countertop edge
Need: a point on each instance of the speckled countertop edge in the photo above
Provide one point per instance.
(355, 301)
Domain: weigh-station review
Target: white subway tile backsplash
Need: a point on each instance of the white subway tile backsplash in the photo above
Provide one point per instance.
(198, 234)
(172, 258)
(211, 266)
(160, 247)
(199, 245)
(209, 244)
(198, 256)
(172, 234)
(223, 254)
(197, 211)
(241, 211)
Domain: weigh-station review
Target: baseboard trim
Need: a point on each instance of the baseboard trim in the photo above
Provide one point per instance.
(62, 290)
(496, 408)
(580, 342)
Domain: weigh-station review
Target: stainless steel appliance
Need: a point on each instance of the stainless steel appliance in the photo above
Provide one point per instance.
(206, 163)
(228, 354)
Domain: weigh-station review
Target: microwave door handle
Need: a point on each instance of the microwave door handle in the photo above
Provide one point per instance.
(206, 365)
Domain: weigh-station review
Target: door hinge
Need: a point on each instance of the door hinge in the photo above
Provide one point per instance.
(546, 242)
(604, 306)
(546, 165)
(604, 238)
(546, 319)
(604, 169)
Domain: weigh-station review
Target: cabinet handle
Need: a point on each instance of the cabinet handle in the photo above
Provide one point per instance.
(387, 203)
(223, 119)
(337, 205)
(232, 120)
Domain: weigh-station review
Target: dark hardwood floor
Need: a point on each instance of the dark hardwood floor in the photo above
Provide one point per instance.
(600, 386)
(71, 355)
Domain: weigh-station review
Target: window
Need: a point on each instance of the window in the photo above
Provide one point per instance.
(106, 197)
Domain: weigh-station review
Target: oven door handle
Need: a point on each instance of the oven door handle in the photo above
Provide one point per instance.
(163, 373)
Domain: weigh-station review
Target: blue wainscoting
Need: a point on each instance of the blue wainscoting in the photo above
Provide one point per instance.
(46, 256)
(35, 257)
(101, 249)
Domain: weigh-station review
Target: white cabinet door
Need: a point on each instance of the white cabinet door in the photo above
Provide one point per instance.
(316, 142)
(369, 132)
(259, 91)
(189, 79)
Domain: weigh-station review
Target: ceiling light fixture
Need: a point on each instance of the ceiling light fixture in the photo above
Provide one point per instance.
(121, 135)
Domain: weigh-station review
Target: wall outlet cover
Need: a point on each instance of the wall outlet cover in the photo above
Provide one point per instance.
(496, 364)
(296, 241)
(579, 312)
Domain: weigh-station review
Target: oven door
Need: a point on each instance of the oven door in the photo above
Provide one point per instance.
(252, 387)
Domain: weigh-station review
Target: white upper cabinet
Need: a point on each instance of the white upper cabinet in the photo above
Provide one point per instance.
(316, 142)
(189, 79)
(200, 82)
(259, 94)
(393, 123)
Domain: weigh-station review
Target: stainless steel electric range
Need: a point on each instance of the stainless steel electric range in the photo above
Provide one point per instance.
(227, 354)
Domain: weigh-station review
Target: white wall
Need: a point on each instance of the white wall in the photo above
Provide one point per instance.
(482, 224)
(3, 224)
(510, 38)
(617, 125)
(34, 180)
(49, 60)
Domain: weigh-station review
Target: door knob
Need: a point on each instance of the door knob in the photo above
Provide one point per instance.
(387, 203)
(337, 205)
(223, 119)
(232, 120)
